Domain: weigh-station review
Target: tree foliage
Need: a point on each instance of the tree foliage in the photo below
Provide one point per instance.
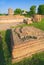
(32, 10)
(41, 9)
(18, 11)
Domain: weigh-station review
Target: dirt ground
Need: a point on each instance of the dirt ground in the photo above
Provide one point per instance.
(5, 26)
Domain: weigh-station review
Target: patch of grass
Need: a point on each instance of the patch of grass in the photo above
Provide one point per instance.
(39, 25)
(20, 25)
(5, 48)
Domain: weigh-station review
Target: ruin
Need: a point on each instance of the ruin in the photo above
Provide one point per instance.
(10, 11)
(37, 18)
(26, 41)
(27, 21)
(11, 18)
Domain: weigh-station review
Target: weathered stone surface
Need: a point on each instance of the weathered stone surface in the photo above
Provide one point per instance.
(10, 11)
(26, 41)
(37, 18)
(11, 19)
(42, 16)
(28, 21)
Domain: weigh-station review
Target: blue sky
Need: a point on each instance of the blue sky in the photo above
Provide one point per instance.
(23, 4)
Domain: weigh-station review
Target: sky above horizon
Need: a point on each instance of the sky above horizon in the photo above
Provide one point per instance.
(23, 4)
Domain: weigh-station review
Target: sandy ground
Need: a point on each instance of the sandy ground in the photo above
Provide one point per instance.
(5, 26)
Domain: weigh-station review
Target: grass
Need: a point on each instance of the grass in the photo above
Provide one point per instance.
(39, 25)
(5, 48)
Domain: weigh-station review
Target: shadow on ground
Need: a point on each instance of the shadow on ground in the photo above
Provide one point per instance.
(8, 41)
(2, 58)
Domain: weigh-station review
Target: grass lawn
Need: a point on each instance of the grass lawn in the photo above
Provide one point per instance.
(5, 48)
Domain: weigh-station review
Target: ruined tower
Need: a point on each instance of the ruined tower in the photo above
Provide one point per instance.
(10, 11)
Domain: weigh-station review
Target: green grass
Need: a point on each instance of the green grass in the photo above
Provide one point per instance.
(5, 48)
(39, 25)
(5, 54)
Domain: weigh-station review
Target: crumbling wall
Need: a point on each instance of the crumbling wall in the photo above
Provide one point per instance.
(42, 16)
(10, 11)
(37, 18)
(11, 19)
(22, 49)
(28, 21)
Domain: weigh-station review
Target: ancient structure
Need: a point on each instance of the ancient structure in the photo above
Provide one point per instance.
(42, 16)
(11, 18)
(27, 21)
(26, 41)
(37, 18)
(10, 11)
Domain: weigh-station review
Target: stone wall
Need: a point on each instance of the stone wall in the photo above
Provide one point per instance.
(19, 18)
(28, 21)
(42, 16)
(37, 18)
(28, 49)
(12, 18)
(22, 49)
(11, 21)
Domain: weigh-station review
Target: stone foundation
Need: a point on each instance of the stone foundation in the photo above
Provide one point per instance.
(28, 21)
(37, 18)
(11, 19)
(25, 42)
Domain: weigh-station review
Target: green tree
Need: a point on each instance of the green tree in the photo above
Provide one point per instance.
(18, 11)
(41, 9)
(32, 10)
